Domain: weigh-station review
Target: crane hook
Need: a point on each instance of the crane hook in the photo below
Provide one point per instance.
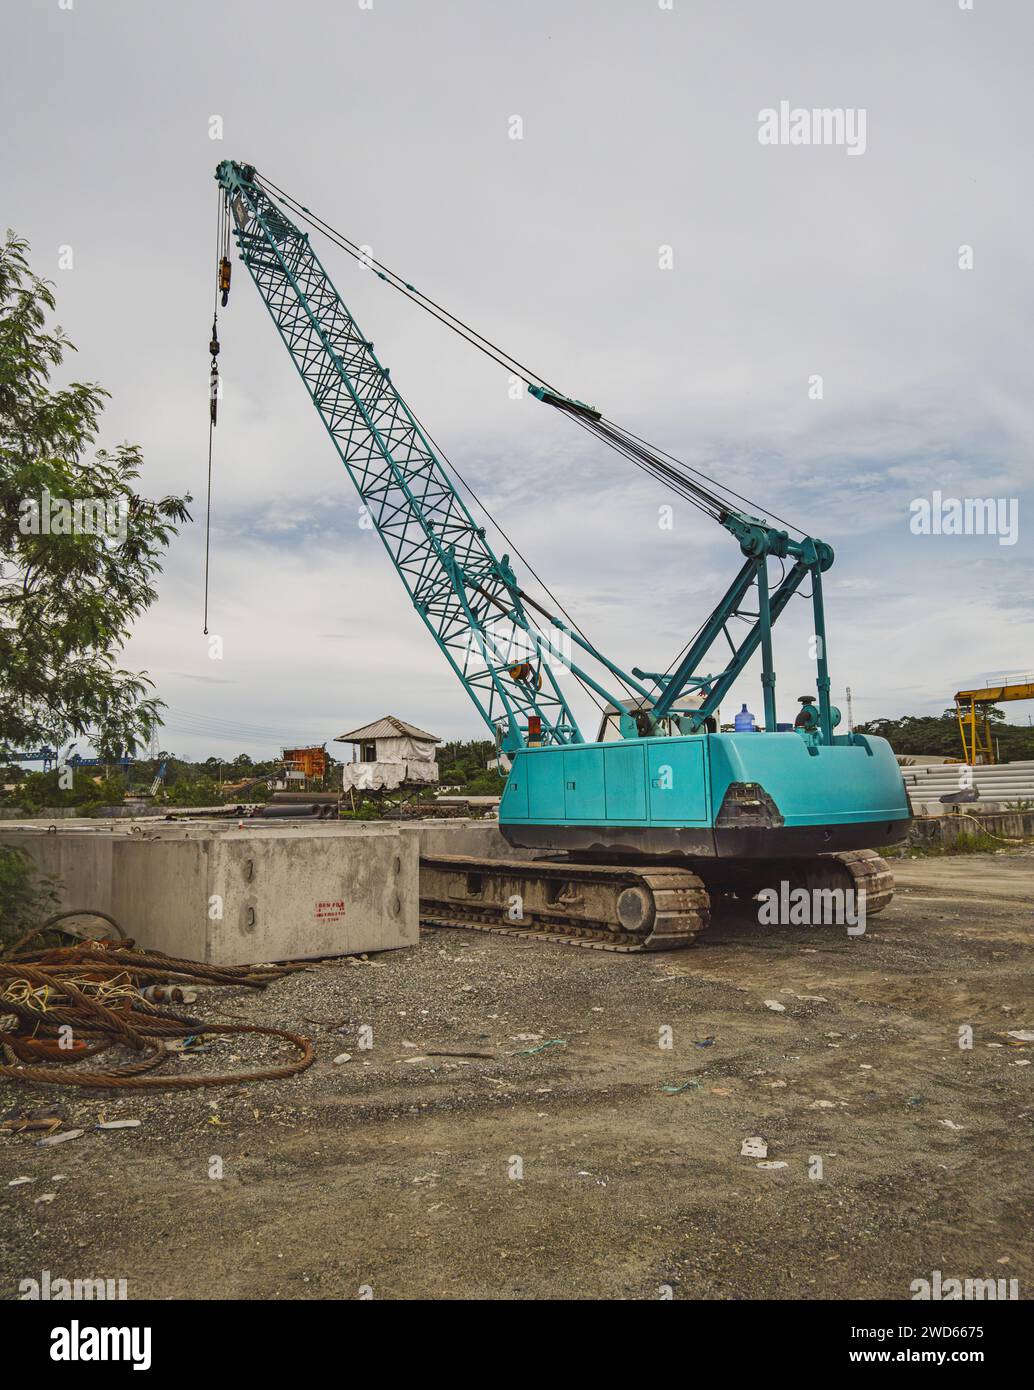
(213, 384)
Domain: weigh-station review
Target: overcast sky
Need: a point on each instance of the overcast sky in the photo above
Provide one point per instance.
(392, 119)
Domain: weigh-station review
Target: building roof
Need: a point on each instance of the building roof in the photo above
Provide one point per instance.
(388, 727)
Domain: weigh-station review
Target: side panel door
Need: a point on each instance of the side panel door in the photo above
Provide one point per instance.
(544, 774)
(678, 781)
(584, 796)
(514, 805)
(625, 770)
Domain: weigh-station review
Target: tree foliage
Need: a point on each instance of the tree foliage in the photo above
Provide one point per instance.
(25, 896)
(925, 735)
(462, 762)
(39, 791)
(68, 598)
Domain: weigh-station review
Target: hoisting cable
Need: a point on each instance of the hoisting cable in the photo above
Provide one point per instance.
(666, 474)
(633, 695)
(689, 467)
(390, 277)
(212, 386)
(682, 652)
(686, 489)
(657, 463)
(447, 462)
(640, 454)
(664, 467)
(633, 448)
(471, 336)
(222, 288)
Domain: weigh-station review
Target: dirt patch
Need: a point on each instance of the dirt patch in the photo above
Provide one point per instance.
(570, 1171)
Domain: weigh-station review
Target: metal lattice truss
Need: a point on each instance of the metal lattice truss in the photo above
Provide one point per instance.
(466, 596)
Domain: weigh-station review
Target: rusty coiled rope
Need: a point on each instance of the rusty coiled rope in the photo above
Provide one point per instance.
(89, 995)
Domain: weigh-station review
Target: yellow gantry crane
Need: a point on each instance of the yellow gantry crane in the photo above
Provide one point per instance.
(971, 707)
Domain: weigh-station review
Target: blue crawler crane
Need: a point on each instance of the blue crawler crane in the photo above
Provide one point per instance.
(631, 832)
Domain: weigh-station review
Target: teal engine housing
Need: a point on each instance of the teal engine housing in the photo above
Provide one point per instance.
(732, 796)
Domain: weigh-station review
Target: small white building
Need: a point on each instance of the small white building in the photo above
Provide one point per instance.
(387, 754)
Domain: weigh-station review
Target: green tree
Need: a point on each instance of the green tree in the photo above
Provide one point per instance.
(487, 783)
(939, 737)
(25, 896)
(68, 598)
(201, 792)
(111, 790)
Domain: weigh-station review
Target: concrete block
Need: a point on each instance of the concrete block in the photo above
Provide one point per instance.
(234, 893)
(473, 837)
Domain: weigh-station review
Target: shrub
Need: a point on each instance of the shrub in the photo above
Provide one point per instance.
(26, 897)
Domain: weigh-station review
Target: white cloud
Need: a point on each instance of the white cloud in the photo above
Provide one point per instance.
(640, 131)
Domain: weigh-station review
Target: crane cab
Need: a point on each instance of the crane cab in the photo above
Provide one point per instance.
(610, 720)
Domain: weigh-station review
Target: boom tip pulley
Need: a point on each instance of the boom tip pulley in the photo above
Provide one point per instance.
(566, 403)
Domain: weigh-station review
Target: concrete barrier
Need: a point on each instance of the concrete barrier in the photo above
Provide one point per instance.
(229, 892)
(234, 893)
(473, 837)
(945, 830)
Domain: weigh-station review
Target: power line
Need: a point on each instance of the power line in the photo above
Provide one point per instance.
(224, 728)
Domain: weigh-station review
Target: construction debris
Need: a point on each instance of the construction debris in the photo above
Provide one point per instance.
(59, 1007)
(550, 1042)
(60, 1138)
(21, 1124)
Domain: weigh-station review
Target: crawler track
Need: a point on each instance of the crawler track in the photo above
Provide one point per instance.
(599, 907)
(861, 869)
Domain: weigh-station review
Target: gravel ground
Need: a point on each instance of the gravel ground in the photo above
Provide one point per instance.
(570, 1171)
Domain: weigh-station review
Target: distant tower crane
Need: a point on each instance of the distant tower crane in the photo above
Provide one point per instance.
(972, 708)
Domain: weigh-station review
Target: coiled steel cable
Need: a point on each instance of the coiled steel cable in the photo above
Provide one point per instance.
(93, 989)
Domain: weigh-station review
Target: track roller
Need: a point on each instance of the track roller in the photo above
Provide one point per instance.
(859, 871)
(601, 907)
